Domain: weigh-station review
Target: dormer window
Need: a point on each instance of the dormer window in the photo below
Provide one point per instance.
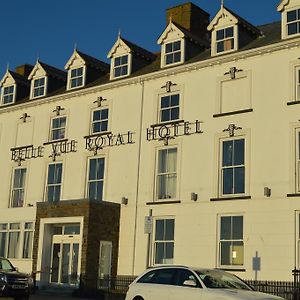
(8, 94)
(225, 39)
(76, 78)
(173, 52)
(121, 66)
(293, 22)
(39, 87)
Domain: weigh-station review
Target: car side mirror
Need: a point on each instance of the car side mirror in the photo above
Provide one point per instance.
(190, 283)
(16, 269)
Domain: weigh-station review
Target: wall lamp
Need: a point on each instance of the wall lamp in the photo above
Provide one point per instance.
(194, 196)
(124, 200)
(267, 191)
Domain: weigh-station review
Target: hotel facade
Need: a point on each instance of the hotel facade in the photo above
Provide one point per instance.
(190, 156)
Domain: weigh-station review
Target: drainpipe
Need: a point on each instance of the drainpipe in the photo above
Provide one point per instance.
(138, 177)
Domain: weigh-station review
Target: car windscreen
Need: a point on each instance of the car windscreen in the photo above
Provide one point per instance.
(219, 279)
(5, 265)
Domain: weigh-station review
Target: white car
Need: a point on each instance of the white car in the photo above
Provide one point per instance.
(180, 283)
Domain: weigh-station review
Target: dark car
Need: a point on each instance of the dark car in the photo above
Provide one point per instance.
(13, 283)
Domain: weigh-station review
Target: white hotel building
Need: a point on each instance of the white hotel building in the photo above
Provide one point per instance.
(190, 156)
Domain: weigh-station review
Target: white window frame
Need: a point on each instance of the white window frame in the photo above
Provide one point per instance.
(47, 185)
(297, 21)
(21, 241)
(70, 78)
(214, 39)
(163, 241)
(18, 188)
(39, 87)
(165, 54)
(30, 233)
(100, 120)
(231, 240)
(121, 66)
(58, 128)
(13, 94)
(160, 109)
(12, 232)
(158, 174)
(233, 166)
(88, 180)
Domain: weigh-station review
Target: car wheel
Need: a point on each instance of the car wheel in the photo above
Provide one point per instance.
(138, 298)
(22, 298)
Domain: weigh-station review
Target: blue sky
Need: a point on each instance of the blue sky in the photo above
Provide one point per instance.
(50, 29)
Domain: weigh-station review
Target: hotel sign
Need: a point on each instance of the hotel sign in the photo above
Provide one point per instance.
(99, 141)
(166, 131)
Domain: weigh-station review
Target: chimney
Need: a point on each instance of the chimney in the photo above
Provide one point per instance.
(190, 17)
(24, 70)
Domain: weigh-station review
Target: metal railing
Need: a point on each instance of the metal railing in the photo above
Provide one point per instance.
(289, 290)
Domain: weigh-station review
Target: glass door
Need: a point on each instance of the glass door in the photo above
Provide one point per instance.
(65, 261)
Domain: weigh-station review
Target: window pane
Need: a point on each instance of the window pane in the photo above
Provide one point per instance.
(176, 46)
(220, 34)
(239, 180)
(96, 115)
(291, 15)
(177, 57)
(227, 153)
(159, 230)
(225, 253)
(162, 161)
(169, 59)
(169, 254)
(172, 160)
(169, 229)
(237, 253)
(229, 32)
(175, 100)
(292, 28)
(239, 150)
(175, 113)
(13, 244)
(225, 228)
(3, 236)
(169, 48)
(165, 115)
(27, 244)
(92, 172)
(237, 227)
(228, 181)
(159, 253)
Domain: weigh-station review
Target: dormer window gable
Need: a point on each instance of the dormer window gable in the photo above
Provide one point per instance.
(45, 79)
(83, 69)
(13, 87)
(172, 42)
(121, 59)
(127, 58)
(229, 32)
(290, 18)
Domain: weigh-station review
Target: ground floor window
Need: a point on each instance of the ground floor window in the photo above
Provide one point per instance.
(231, 243)
(16, 240)
(164, 241)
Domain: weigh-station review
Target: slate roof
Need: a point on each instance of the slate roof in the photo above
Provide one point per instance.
(19, 78)
(94, 62)
(270, 34)
(54, 72)
(139, 50)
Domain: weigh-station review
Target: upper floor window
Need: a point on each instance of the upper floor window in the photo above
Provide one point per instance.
(231, 243)
(96, 178)
(54, 181)
(293, 22)
(100, 120)
(233, 167)
(58, 128)
(8, 94)
(39, 87)
(172, 52)
(169, 108)
(164, 241)
(120, 66)
(224, 39)
(76, 78)
(166, 177)
(18, 187)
